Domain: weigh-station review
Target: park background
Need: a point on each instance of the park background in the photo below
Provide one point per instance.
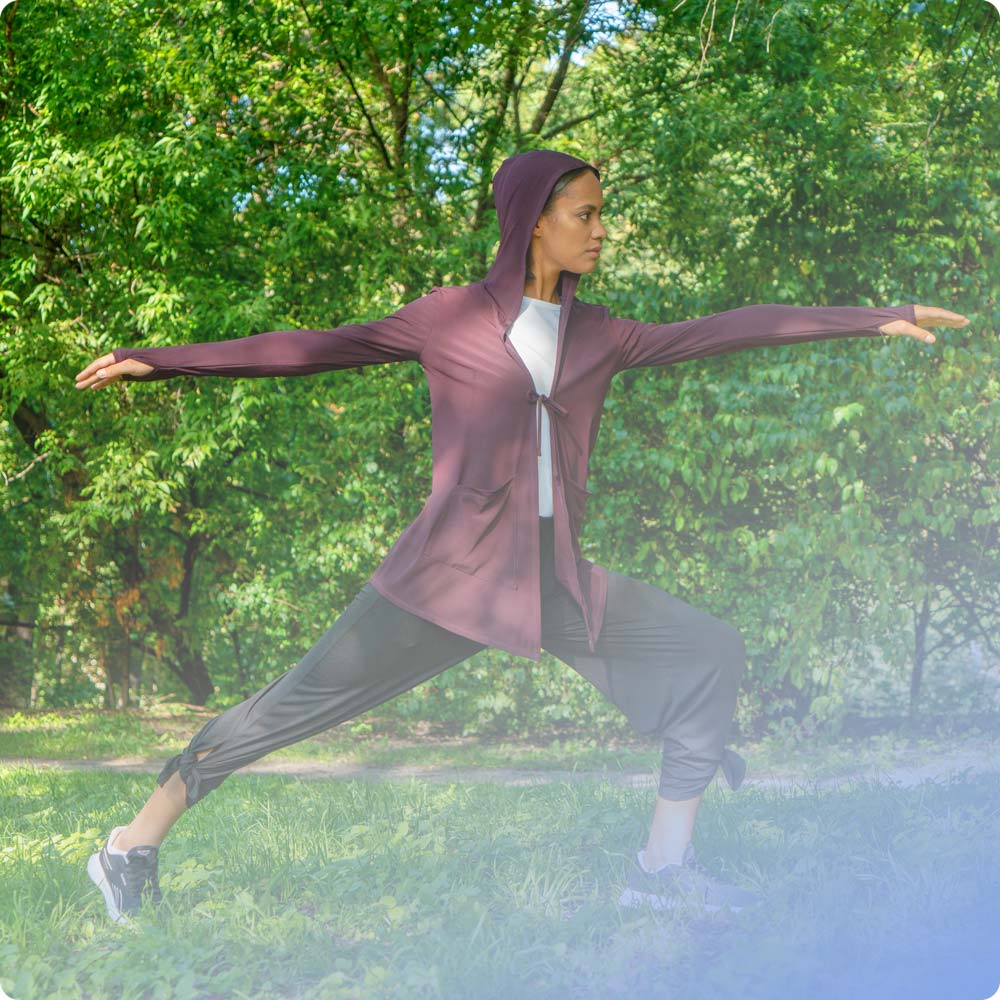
(183, 173)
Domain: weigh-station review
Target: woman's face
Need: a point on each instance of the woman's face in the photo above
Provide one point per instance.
(566, 239)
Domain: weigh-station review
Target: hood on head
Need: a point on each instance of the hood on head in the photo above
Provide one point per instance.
(521, 186)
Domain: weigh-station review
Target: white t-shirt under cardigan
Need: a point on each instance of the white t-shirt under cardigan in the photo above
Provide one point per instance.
(535, 334)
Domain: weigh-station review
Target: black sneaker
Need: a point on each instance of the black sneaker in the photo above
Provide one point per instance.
(125, 879)
(686, 884)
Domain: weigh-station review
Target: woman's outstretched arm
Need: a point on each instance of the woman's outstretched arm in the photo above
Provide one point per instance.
(646, 344)
(398, 337)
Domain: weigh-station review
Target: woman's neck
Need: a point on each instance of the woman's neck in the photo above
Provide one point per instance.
(534, 289)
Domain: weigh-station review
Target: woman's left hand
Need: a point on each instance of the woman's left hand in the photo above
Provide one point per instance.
(925, 316)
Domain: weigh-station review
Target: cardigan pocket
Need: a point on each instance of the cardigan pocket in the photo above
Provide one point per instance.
(475, 533)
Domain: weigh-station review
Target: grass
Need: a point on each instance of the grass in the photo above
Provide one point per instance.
(279, 887)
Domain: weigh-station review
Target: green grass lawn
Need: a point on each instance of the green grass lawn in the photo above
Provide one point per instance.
(279, 887)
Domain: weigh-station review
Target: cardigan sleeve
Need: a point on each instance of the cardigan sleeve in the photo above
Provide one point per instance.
(398, 337)
(651, 344)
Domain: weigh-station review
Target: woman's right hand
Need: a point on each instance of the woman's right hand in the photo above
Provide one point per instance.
(106, 370)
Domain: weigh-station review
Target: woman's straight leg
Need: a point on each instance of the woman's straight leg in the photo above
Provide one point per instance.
(373, 652)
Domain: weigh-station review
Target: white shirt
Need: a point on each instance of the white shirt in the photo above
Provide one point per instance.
(535, 334)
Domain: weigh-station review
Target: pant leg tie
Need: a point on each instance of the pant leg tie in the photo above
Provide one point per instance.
(734, 767)
(186, 762)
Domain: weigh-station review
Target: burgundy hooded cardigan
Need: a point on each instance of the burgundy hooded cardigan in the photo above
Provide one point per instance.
(469, 561)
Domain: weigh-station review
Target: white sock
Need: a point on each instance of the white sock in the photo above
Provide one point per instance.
(111, 840)
(645, 867)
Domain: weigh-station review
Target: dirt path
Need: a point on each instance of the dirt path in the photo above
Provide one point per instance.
(985, 761)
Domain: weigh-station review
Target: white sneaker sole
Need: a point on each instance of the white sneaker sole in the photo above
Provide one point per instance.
(96, 873)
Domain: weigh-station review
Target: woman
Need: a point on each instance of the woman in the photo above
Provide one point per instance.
(518, 369)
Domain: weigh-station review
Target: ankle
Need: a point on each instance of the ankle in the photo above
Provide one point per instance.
(654, 860)
(127, 839)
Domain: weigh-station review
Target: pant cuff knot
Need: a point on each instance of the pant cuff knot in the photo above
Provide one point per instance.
(734, 767)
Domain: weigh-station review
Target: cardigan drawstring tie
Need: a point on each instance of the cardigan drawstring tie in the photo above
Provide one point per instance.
(540, 399)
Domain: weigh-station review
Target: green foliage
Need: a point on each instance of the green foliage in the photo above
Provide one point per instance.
(206, 173)
(838, 500)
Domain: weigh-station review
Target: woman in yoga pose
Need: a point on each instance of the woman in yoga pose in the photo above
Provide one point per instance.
(518, 369)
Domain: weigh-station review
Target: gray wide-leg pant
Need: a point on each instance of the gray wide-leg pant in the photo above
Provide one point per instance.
(672, 670)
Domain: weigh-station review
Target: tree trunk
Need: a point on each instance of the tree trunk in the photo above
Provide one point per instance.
(60, 644)
(187, 663)
(919, 653)
(192, 670)
(136, 656)
(115, 655)
(109, 681)
(126, 670)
